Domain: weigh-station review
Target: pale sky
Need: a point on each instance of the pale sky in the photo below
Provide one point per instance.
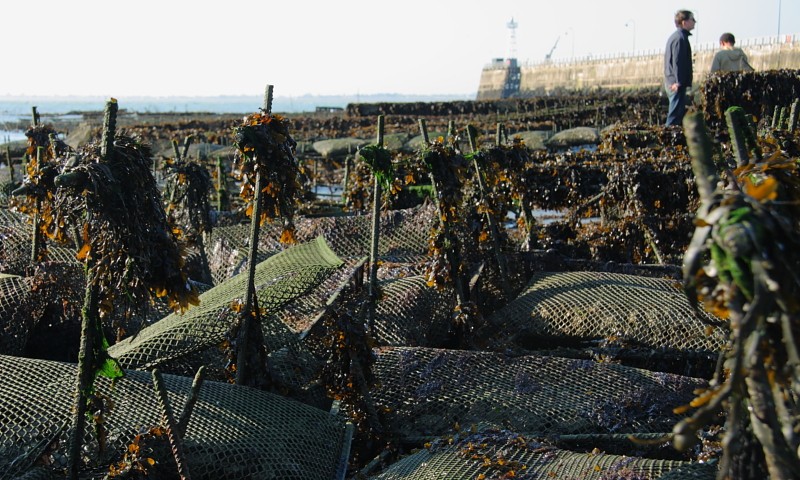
(329, 47)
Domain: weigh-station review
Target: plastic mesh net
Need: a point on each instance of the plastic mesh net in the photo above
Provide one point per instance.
(403, 235)
(627, 309)
(181, 338)
(410, 313)
(428, 391)
(498, 454)
(15, 321)
(15, 241)
(233, 432)
(16, 232)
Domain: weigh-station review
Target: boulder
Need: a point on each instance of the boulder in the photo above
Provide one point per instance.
(338, 147)
(574, 137)
(196, 150)
(534, 139)
(396, 141)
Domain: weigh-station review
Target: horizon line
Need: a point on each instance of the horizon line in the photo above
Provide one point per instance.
(10, 96)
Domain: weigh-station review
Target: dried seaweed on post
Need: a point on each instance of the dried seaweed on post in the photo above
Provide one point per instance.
(447, 169)
(376, 162)
(107, 193)
(189, 204)
(116, 206)
(264, 145)
(447, 265)
(379, 161)
(750, 236)
(35, 196)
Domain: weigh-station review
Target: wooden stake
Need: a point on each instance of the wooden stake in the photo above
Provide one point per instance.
(793, 114)
(251, 317)
(453, 257)
(36, 241)
(89, 321)
(493, 229)
(735, 118)
(373, 250)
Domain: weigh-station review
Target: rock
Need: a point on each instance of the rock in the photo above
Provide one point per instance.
(81, 135)
(396, 141)
(338, 147)
(206, 150)
(574, 137)
(534, 139)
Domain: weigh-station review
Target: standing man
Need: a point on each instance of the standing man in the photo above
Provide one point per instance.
(730, 58)
(678, 66)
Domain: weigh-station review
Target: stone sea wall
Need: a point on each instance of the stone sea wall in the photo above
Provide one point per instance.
(624, 71)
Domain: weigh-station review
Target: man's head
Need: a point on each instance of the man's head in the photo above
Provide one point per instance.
(727, 40)
(685, 19)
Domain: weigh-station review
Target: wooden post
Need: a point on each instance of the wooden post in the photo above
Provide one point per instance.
(701, 151)
(453, 257)
(36, 241)
(734, 116)
(186, 143)
(109, 129)
(346, 174)
(222, 192)
(373, 250)
(493, 229)
(176, 149)
(10, 163)
(174, 435)
(86, 365)
(89, 320)
(423, 130)
(793, 114)
(250, 312)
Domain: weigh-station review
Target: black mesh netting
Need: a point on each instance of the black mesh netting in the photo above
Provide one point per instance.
(427, 391)
(410, 313)
(179, 341)
(630, 310)
(16, 233)
(294, 287)
(16, 322)
(403, 235)
(501, 454)
(233, 432)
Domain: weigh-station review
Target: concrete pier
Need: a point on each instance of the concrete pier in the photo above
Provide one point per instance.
(506, 78)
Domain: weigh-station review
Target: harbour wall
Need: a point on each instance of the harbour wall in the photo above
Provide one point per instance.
(505, 78)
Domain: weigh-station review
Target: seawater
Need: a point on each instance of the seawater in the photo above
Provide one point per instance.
(14, 108)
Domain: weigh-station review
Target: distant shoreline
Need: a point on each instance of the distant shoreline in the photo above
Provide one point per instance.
(18, 105)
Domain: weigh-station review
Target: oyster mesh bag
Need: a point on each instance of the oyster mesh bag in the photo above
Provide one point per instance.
(233, 432)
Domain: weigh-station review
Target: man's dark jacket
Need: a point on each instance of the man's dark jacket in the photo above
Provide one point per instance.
(678, 59)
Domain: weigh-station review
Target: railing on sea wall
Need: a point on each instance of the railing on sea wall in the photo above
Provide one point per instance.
(698, 48)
